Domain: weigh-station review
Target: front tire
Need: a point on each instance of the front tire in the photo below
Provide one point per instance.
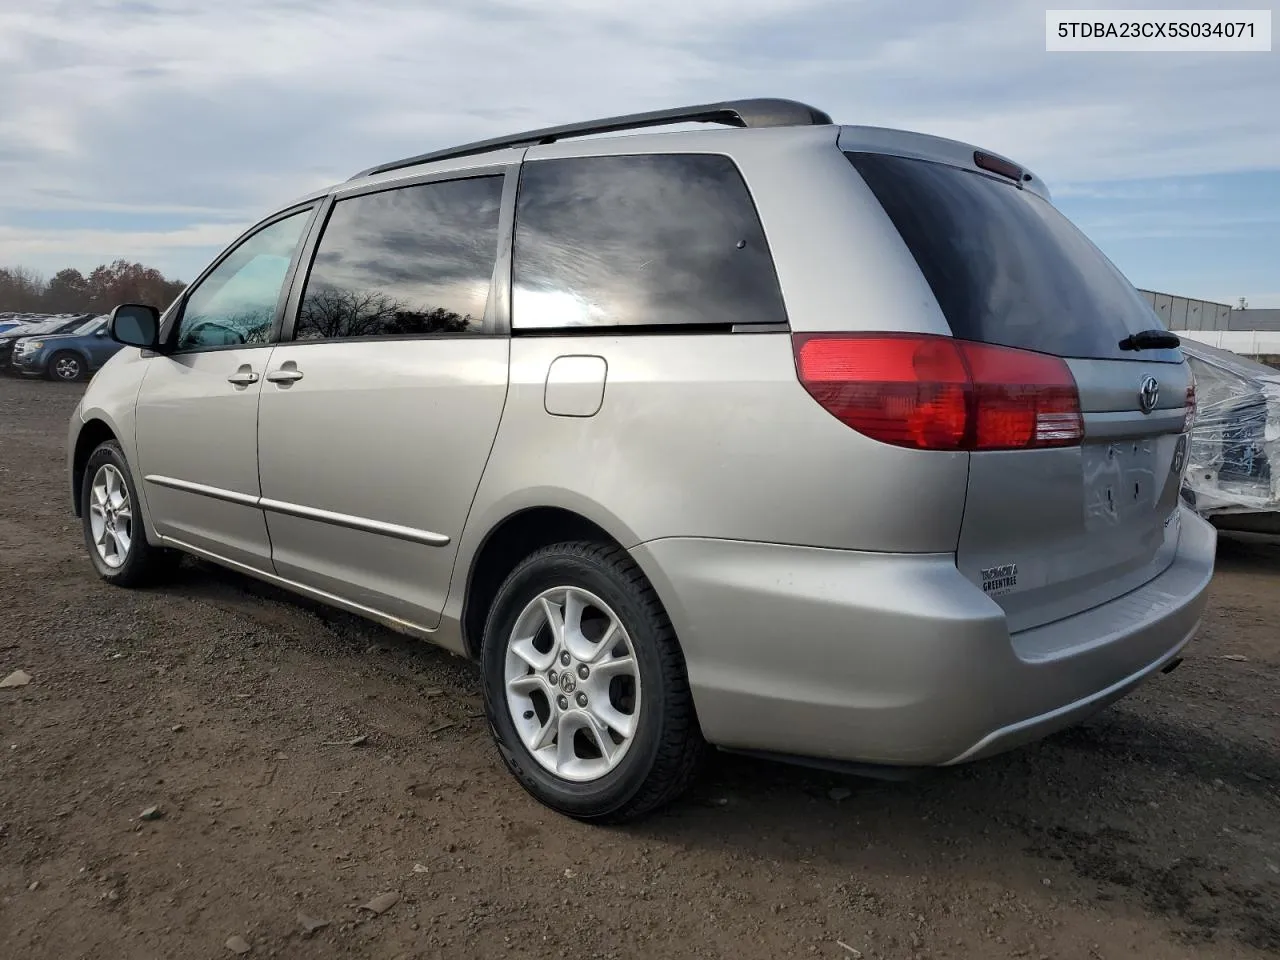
(585, 685)
(112, 522)
(67, 367)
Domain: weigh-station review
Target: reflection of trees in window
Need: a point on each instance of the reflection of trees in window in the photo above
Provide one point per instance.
(331, 312)
(408, 261)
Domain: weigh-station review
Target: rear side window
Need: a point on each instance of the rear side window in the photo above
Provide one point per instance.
(1005, 266)
(666, 240)
(411, 261)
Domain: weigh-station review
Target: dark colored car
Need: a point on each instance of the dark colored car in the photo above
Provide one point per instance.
(39, 328)
(66, 356)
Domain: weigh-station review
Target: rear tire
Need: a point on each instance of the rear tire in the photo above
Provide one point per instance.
(112, 522)
(628, 691)
(67, 367)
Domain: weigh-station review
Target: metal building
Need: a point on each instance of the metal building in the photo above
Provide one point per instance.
(1181, 313)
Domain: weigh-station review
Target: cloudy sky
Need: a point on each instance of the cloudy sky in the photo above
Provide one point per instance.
(157, 129)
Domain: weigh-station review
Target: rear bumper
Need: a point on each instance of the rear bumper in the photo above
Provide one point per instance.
(898, 659)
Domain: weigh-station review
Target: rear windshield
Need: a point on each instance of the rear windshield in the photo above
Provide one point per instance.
(1005, 266)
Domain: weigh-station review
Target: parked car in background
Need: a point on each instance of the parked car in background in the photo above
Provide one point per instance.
(49, 326)
(66, 356)
(827, 443)
(9, 321)
(1233, 465)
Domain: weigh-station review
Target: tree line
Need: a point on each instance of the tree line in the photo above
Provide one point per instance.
(70, 291)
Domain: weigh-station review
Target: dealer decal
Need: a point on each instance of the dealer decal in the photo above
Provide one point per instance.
(1001, 579)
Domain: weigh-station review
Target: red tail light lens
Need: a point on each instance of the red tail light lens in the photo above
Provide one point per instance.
(1189, 420)
(937, 393)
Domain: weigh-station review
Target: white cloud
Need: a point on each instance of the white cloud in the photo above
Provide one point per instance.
(222, 110)
(50, 248)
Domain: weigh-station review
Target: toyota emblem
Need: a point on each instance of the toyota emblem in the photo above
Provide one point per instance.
(1148, 394)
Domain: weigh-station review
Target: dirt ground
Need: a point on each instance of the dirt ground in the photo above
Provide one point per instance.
(1152, 831)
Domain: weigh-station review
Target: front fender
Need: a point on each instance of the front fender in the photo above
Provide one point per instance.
(111, 400)
(74, 428)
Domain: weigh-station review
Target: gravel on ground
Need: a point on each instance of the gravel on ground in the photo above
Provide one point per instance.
(214, 768)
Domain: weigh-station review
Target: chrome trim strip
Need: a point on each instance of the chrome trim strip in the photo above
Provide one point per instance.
(386, 619)
(412, 534)
(216, 493)
(355, 523)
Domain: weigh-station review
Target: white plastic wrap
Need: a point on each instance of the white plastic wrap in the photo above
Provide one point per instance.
(1233, 459)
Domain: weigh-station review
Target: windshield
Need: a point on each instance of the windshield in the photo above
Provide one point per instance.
(89, 326)
(1005, 266)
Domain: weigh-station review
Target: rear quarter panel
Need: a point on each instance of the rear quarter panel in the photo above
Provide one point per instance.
(710, 436)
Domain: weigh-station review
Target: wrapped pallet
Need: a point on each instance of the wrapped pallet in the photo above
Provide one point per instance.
(1233, 460)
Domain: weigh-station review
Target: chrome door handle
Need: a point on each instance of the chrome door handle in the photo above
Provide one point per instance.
(243, 378)
(285, 376)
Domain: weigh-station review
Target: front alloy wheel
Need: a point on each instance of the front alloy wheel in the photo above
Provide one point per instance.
(110, 516)
(68, 367)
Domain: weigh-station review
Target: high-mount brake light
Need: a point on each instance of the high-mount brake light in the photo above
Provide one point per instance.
(986, 161)
(931, 392)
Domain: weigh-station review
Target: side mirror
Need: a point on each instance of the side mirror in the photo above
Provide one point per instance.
(135, 325)
(100, 332)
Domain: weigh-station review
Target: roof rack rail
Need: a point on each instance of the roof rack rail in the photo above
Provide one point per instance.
(766, 112)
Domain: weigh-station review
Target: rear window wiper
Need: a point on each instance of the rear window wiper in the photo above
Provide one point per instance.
(1150, 340)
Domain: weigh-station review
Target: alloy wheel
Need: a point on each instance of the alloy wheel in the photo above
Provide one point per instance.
(572, 684)
(110, 515)
(67, 368)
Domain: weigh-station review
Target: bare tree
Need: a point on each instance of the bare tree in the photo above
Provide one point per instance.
(70, 291)
(333, 312)
(21, 290)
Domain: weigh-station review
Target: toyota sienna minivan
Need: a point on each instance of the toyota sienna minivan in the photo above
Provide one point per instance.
(826, 443)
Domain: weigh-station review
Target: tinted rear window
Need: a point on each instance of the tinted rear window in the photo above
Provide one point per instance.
(667, 240)
(1005, 266)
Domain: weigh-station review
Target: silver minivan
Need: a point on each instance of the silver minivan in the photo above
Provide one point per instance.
(825, 443)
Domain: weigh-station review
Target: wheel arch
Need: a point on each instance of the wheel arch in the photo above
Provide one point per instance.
(93, 433)
(515, 535)
(508, 542)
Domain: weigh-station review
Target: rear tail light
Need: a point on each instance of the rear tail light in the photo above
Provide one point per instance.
(938, 393)
(1190, 418)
